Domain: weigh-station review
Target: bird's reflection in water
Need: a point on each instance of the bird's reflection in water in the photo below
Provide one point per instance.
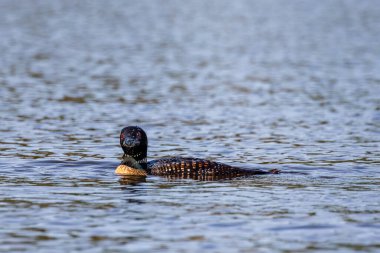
(131, 180)
(134, 180)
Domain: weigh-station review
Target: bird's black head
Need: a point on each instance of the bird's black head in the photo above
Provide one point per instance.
(134, 142)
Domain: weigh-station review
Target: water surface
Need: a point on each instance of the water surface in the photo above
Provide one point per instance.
(283, 84)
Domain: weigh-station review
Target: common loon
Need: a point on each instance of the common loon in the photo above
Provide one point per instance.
(134, 142)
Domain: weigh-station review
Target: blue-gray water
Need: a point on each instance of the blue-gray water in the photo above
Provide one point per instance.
(281, 84)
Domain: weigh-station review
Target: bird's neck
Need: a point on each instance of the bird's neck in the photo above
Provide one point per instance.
(127, 159)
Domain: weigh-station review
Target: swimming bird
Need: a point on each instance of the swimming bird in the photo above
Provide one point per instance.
(134, 142)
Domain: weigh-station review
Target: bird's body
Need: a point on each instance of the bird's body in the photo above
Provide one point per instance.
(134, 142)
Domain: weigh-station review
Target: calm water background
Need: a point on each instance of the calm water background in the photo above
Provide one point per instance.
(282, 84)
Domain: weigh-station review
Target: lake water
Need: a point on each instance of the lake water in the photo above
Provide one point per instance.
(293, 85)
